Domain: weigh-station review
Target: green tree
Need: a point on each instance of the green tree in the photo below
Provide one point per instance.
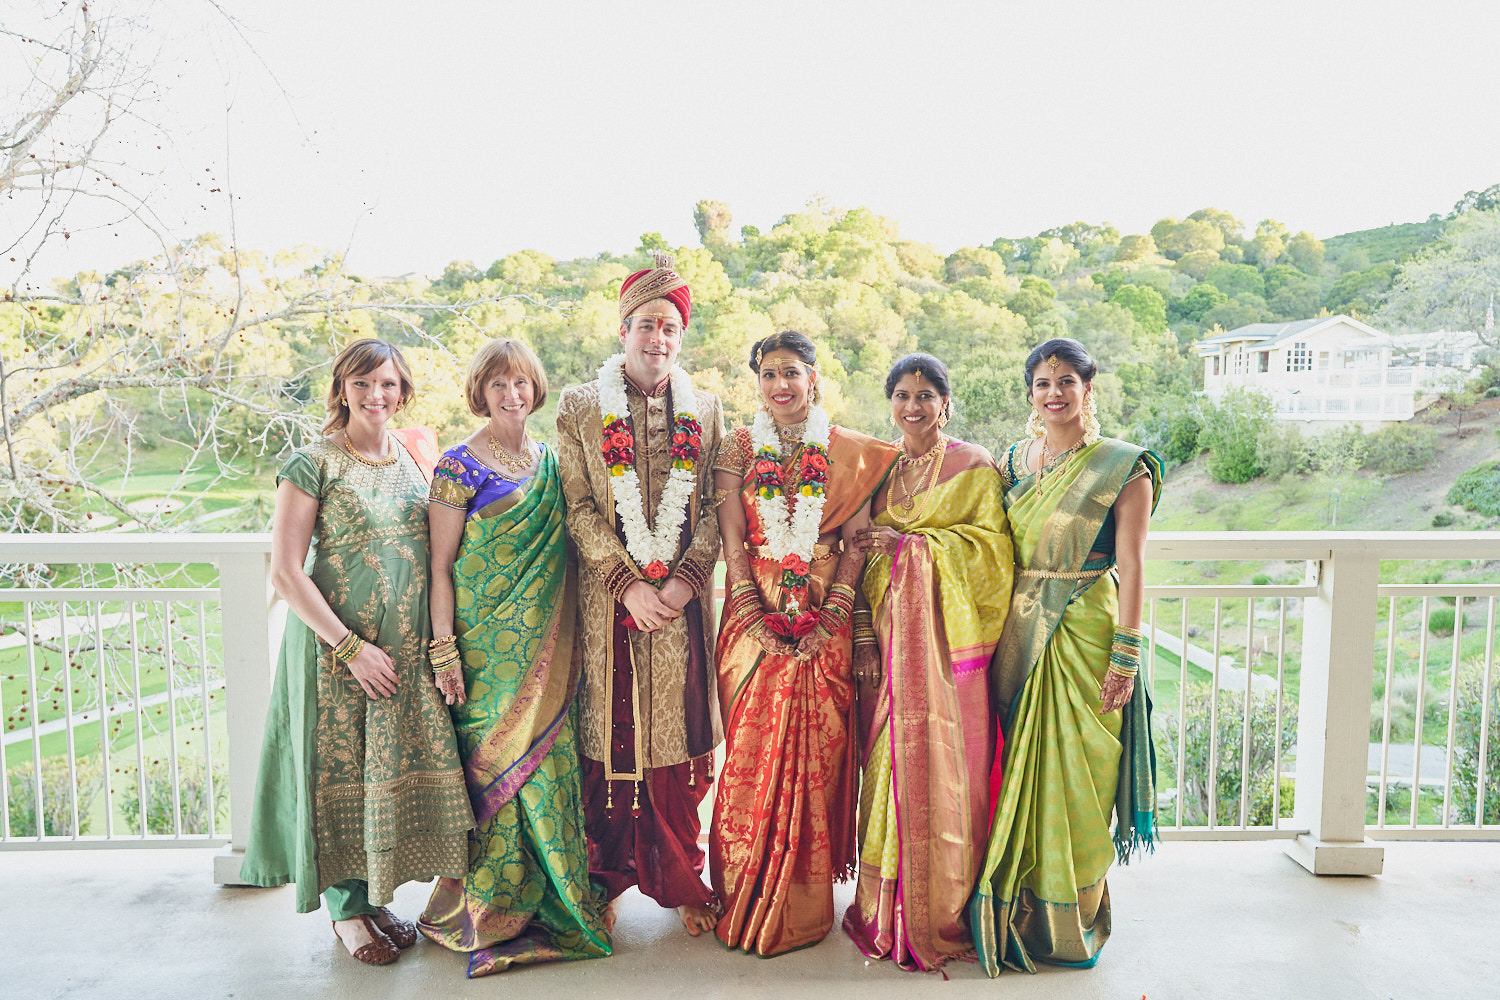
(1105, 329)
(1133, 248)
(1241, 310)
(1264, 249)
(1053, 258)
(1230, 227)
(967, 262)
(1145, 304)
(1448, 285)
(1236, 279)
(1359, 293)
(1486, 200)
(1232, 428)
(1178, 238)
(1339, 453)
(1305, 252)
(712, 219)
(1197, 303)
(1198, 263)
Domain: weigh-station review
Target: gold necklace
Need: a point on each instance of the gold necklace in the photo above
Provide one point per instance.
(906, 510)
(1058, 460)
(515, 463)
(390, 457)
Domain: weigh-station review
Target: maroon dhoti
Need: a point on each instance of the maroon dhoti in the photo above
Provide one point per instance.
(657, 850)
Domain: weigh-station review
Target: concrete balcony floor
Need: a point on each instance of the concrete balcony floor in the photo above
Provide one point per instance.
(1196, 920)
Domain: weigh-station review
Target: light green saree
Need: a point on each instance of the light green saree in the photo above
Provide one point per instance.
(1042, 895)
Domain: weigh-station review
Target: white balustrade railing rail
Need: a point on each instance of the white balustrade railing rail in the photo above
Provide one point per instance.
(131, 662)
(1263, 714)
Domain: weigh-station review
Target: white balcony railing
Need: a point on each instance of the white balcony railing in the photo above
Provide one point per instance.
(1263, 694)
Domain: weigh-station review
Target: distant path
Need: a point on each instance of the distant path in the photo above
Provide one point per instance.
(81, 718)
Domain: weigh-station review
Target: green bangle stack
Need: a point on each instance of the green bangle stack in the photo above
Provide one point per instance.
(348, 648)
(1125, 651)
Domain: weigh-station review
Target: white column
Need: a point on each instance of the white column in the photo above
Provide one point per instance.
(245, 597)
(1333, 722)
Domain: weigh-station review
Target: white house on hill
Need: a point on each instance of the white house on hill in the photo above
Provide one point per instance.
(1335, 368)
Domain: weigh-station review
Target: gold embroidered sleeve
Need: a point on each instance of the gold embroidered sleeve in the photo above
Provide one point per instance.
(448, 487)
(592, 531)
(734, 455)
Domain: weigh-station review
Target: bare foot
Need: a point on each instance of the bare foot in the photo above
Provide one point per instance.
(697, 919)
(610, 916)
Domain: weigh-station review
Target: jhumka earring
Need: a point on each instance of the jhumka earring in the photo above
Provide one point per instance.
(815, 398)
(946, 415)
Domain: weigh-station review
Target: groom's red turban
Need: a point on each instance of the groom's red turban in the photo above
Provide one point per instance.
(658, 282)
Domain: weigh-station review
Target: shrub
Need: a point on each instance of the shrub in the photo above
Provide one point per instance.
(1225, 785)
(1260, 580)
(1282, 451)
(1173, 434)
(1293, 487)
(1232, 513)
(1404, 709)
(1205, 501)
(1440, 621)
(56, 810)
(1442, 519)
(1232, 427)
(1478, 489)
(1466, 746)
(192, 795)
(1400, 448)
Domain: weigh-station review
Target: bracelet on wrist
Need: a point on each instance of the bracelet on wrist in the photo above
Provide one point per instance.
(348, 647)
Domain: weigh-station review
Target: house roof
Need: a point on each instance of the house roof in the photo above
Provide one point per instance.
(1267, 335)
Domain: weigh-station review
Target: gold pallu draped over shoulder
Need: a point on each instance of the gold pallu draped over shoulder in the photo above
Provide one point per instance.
(1083, 491)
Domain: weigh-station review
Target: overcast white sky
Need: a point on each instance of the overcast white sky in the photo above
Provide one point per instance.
(419, 133)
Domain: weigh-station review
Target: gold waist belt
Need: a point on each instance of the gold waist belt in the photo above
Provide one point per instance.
(820, 551)
(1056, 574)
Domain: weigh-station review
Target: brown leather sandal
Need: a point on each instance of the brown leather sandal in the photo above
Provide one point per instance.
(403, 933)
(380, 950)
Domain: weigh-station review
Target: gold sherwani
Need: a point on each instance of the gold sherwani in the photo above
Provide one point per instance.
(656, 707)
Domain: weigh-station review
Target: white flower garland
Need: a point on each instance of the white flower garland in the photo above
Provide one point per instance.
(645, 545)
(796, 532)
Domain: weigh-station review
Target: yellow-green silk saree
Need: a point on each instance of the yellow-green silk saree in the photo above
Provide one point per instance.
(1042, 894)
(925, 802)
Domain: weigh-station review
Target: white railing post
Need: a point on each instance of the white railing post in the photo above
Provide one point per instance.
(1333, 722)
(245, 596)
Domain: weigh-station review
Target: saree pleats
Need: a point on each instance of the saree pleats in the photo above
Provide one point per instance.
(1042, 895)
(526, 897)
(783, 826)
(926, 795)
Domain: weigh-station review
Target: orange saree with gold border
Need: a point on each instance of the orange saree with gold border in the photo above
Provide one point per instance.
(783, 826)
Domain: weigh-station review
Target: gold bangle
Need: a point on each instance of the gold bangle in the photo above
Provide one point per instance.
(348, 647)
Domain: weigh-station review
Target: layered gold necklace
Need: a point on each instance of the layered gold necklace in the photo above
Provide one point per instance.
(514, 463)
(913, 503)
(1053, 463)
